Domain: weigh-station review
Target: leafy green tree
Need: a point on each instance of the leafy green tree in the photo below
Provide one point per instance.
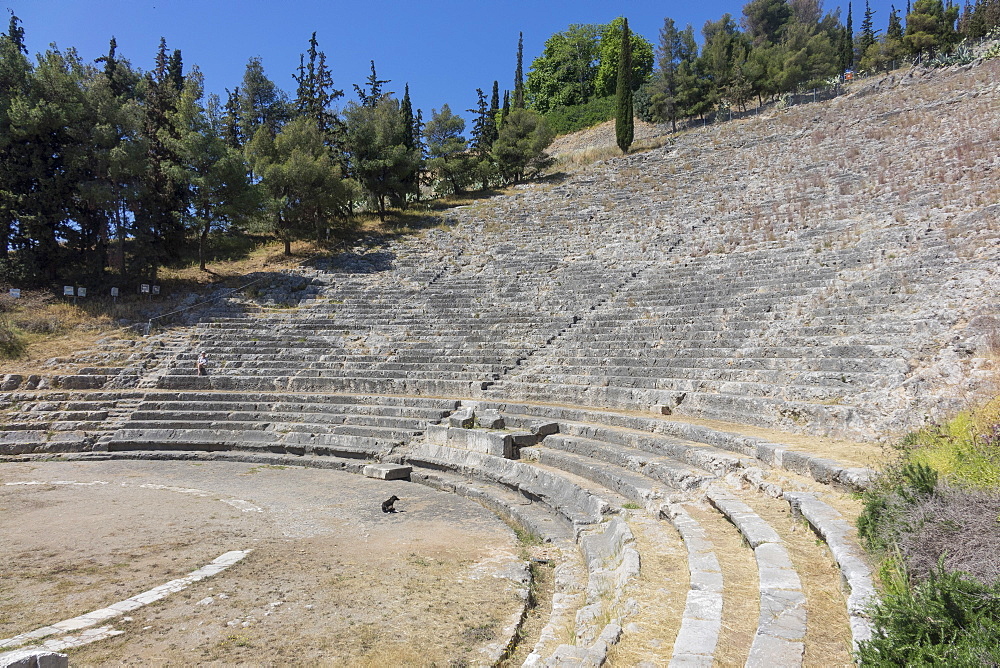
(214, 173)
(980, 18)
(624, 121)
(261, 102)
(448, 156)
(372, 94)
(887, 51)
(722, 48)
(232, 123)
(379, 157)
(868, 36)
(42, 125)
(895, 28)
(565, 72)
(677, 47)
(306, 195)
(519, 150)
(15, 76)
(113, 167)
(609, 52)
(158, 231)
(483, 133)
(811, 58)
(765, 20)
(930, 27)
(315, 95)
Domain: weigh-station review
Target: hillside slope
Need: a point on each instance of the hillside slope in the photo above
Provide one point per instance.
(830, 269)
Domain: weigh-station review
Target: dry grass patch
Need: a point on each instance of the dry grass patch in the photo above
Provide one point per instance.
(828, 632)
(741, 586)
(41, 326)
(660, 593)
(850, 453)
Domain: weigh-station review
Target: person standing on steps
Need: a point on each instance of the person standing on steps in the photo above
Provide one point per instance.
(202, 364)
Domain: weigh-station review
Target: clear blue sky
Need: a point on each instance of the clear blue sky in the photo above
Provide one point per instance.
(444, 49)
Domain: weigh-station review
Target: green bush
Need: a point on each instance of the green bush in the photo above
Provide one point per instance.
(563, 120)
(933, 519)
(12, 344)
(945, 620)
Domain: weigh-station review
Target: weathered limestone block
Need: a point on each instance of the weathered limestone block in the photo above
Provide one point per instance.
(490, 419)
(10, 382)
(543, 429)
(34, 659)
(387, 471)
(463, 417)
(494, 443)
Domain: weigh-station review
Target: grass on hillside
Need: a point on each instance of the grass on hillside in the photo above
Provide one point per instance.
(43, 325)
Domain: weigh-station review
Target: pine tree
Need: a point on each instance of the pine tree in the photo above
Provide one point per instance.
(518, 102)
(160, 234)
(231, 122)
(624, 122)
(15, 69)
(262, 103)
(448, 157)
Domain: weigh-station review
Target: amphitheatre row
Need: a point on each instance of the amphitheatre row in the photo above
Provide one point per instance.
(666, 372)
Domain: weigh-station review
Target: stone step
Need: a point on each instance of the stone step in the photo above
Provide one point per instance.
(336, 445)
(579, 506)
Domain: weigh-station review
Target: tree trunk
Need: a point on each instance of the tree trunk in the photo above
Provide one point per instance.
(203, 242)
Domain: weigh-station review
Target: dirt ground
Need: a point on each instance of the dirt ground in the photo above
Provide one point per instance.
(331, 580)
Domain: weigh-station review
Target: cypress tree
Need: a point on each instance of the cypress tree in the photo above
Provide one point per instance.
(505, 109)
(867, 36)
(406, 108)
(176, 71)
(494, 111)
(411, 181)
(519, 74)
(847, 46)
(624, 123)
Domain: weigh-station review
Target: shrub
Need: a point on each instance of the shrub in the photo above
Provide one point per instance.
(946, 619)
(12, 344)
(933, 518)
(965, 450)
(563, 120)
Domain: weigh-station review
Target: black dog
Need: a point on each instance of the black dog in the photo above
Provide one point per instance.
(387, 504)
